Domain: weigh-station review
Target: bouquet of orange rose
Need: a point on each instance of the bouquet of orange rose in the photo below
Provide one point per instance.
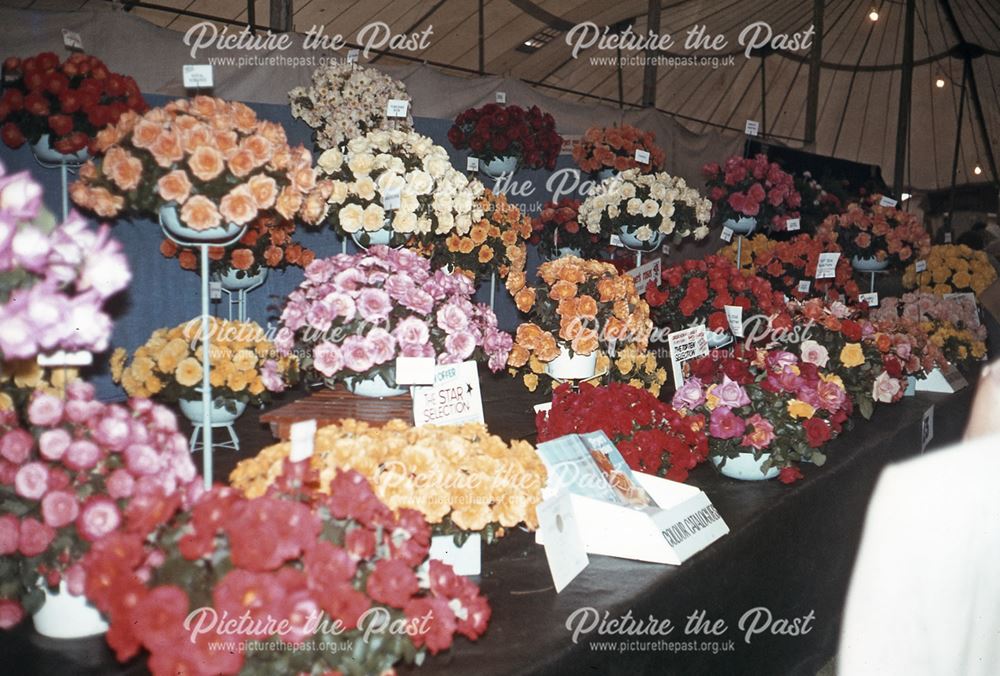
(267, 243)
(613, 148)
(210, 161)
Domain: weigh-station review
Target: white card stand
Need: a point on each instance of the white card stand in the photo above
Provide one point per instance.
(466, 560)
(628, 533)
(946, 381)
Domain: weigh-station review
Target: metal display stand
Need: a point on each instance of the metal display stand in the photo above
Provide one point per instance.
(238, 299)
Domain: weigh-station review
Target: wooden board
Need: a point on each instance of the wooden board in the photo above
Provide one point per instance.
(328, 407)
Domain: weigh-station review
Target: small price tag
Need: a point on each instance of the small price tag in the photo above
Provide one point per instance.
(826, 266)
(947, 237)
(887, 202)
(641, 156)
(72, 40)
(197, 76)
(472, 164)
(616, 241)
(352, 55)
(63, 358)
(215, 290)
(390, 199)
(920, 265)
(804, 286)
(734, 315)
(870, 298)
(414, 370)
(303, 436)
(727, 235)
(541, 408)
(927, 429)
(501, 97)
(751, 128)
(793, 224)
(397, 108)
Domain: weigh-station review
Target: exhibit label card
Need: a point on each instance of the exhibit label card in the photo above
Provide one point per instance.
(197, 76)
(685, 345)
(734, 315)
(415, 370)
(871, 298)
(646, 273)
(61, 358)
(564, 548)
(72, 40)
(472, 164)
(641, 156)
(826, 266)
(466, 560)
(303, 436)
(751, 128)
(793, 224)
(887, 202)
(397, 108)
(454, 398)
(691, 526)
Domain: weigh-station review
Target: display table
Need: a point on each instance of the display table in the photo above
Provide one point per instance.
(327, 407)
(790, 549)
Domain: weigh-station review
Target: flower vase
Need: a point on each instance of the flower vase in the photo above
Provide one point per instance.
(64, 615)
(380, 237)
(220, 416)
(231, 282)
(745, 467)
(47, 155)
(572, 367)
(868, 264)
(566, 252)
(717, 339)
(605, 174)
(743, 226)
(171, 222)
(627, 235)
(499, 166)
(373, 386)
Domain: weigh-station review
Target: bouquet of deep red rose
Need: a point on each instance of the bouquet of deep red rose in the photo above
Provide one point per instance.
(556, 229)
(494, 131)
(697, 292)
(766, 403)
(752, 187)
(76, 472)
(872, 231)
(651, 436)
(70, 101)
(267, 243)
(295, 581)
(614, 148)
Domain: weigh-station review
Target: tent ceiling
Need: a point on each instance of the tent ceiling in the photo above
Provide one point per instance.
(859, 83)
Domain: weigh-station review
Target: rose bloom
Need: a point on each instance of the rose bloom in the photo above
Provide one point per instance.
(9, 534)
(32, 480)
(238, 206)
(382, 345)
(59, 508)
(45, 410)
(206, 162)
(200, 213)
(82, 454)
(356, 354)
(762, 434)
(16, 445)
(264, 191)
(98, 517)
(327, 359)
(174, 186)
(814, 353)
(885, 388)
(725, 425)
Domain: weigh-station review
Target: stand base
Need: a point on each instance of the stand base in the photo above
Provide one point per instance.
(233, 443)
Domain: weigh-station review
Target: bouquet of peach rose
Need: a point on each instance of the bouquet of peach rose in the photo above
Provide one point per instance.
(212, 160)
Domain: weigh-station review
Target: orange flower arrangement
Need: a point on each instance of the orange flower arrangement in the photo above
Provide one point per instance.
(614, 148)
(267, 243)
(211, 158)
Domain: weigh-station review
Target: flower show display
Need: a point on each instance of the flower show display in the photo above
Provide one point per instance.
(58, 108)
(354, 315)
(391, 187)
(952, 324)
(767, 410)
(951, 268)
(651, 436)
(345, 101)
(751, 191)
(205, 166)
(557, 232)
(337, 568)
(74, 473)
(505, 137)
(582, 309)
(875, 237)
(606, 150)
(644, 209)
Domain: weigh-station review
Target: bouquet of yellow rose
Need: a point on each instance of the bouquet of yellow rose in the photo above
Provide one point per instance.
(20, 378)
(460, 477)
(245, 366)
(952, 268)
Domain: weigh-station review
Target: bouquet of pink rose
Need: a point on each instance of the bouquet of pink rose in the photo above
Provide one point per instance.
(353, 315)
(79, 471)
(752, 187)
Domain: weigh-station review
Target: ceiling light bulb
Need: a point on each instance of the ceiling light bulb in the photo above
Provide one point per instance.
(977, 170)
(939, 83)
(873, 15)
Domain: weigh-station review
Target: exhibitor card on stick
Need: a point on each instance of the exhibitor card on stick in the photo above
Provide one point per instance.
(454, 398)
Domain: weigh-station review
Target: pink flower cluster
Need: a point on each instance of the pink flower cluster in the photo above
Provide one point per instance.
(356, 314)
(84, 470)
(69, 273)
(752, 187)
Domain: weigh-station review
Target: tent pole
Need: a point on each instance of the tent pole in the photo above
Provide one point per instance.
(966, 67)
(905, 96)
(649, 74)
(281, 16)
(482, 39)
(815, 60)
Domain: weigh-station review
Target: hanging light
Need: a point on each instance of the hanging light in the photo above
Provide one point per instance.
(940, 82)
(873, 15)
(905, 196)
(977, 170)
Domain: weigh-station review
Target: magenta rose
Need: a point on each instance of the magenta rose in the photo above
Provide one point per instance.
(374, 305)
(16, 446)
(142, 459)
(690, 395)
(35, 536)
(730, 393)
(356, 354)
(32, 480)
(327, 359)
(52, 444)
(725, 424)
(59, 508)
(460, 345)
(831, 396)
(82, 454)
(98, 517)
(382, 346)
(120, 483)
(45, 410)
(451, 318)
(412, 331)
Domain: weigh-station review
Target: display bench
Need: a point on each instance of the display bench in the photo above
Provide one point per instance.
(790, 551)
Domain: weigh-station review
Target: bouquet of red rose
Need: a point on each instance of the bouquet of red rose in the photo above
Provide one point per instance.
(267, 243)
(75, 473)
(872, 231)
(697, 292)
(70, 101)
(766, 403)
(752, 187)
(305, 569)
(652, 436)
(614, 148)
(494, 131)
(556, 230)
(819, 199)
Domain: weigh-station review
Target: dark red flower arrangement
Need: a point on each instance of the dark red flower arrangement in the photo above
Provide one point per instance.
(494, 131)
(651, 435)
(71, 101)
(556, 227)
(752, 187)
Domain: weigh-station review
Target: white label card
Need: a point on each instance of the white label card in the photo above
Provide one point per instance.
(947, 238)
(564, 548)
(352, 55)
(198, 76)
(793, 224)
(804, 286)
(501, 97)
(646, 273)
(390, 199)
(826, 266)
(734, 315)
(870, 298)
(616, 241)
(543, 407)
(887, 202)
(927, 429)
(415, 370)
(751, 128)
(472, 164)
(397, 108)
(454, 397)
(72, 39)
(727, 235)
(641, 156)
(466, 560)
(303, 436)
(215, 290)
(685, 345)
(62, 358)
(920, 265)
